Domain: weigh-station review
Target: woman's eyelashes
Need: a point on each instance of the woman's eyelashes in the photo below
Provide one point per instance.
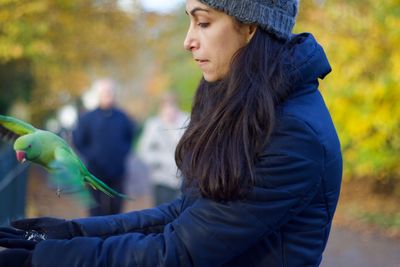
(203, 24)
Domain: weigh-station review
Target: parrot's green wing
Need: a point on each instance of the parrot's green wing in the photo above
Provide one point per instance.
(12, 128)
(69, 165)
(66, 176)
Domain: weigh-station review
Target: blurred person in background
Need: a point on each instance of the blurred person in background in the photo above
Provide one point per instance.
(103, 137)
(157, 145)
(261, 160)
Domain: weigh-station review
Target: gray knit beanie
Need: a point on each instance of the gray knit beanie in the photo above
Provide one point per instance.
(274, 16)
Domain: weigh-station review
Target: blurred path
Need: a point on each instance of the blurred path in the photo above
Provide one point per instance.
(349, 248)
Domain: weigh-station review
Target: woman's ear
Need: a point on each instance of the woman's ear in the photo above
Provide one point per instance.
(252, 28)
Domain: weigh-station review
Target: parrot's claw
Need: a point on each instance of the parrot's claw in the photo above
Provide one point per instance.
(58, 192)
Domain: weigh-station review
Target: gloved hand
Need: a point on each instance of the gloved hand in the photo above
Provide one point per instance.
(28, 232)
(14, 238)
(51, 228)
(16, 258)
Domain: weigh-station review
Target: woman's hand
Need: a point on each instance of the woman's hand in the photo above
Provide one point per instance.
(50, 228)
(28, 232)
(15, 238)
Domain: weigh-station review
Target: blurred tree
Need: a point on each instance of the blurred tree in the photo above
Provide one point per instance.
(165, 38)
(67, 42)
(185, 74)
(362, 39)
(16, 82)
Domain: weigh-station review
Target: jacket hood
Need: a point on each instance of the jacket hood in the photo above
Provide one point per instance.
(306, 60)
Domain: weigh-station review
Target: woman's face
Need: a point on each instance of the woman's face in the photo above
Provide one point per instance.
(213, 38)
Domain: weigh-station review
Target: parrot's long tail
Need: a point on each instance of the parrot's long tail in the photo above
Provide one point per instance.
(97, 184)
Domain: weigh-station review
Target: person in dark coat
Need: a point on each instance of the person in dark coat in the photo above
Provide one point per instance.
(104, 138)
(261, 158)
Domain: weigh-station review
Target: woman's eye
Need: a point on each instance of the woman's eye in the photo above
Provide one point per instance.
(203, 24)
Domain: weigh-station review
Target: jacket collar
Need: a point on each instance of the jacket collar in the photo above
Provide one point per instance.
(306, 62)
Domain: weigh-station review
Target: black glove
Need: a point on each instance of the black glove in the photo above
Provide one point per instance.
(14, 238)
(51, 228)
(16, 258)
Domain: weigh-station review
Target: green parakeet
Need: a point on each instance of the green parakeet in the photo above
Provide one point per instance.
(52, 152)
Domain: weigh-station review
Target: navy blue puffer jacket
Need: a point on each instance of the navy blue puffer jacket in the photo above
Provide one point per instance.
(285, 221)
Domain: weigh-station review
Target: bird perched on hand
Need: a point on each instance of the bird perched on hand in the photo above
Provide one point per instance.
(52, 152)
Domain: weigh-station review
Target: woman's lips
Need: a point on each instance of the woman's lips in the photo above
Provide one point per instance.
(201, 62)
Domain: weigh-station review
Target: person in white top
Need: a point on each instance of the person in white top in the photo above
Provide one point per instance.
(157, 145)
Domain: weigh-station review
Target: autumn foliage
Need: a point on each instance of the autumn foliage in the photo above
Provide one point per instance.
(56, 47)
(361, 39)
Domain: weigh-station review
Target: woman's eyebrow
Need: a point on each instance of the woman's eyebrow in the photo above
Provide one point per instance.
(197, 9)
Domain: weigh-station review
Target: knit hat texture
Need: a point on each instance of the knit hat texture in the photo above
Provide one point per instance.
(275, 16)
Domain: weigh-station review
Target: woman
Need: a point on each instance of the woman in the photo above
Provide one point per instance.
(261, 159)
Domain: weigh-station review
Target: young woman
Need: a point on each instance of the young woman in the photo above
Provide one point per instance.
(260, 157)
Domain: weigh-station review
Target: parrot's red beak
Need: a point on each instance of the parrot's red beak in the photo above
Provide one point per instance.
(21, 156)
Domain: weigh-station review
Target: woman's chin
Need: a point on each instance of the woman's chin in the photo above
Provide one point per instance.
(211, 78)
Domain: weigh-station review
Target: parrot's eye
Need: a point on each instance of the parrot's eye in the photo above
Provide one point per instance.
(30, 146)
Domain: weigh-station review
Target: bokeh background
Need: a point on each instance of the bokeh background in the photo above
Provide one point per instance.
(52, 50)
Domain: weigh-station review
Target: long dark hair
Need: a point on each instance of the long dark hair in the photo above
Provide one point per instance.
(232, 119)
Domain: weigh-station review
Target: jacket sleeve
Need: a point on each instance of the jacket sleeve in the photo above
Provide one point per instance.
(209, 233)
(144, 221)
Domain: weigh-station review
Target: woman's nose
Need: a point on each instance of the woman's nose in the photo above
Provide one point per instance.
(190, 42)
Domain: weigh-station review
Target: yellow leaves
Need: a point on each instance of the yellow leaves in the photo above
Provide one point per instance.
(9, 50)
(39, 47)
(19, 28)
(362, 39)
(394, 62)
(156, 87)
(66, 43)
(359, 128)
